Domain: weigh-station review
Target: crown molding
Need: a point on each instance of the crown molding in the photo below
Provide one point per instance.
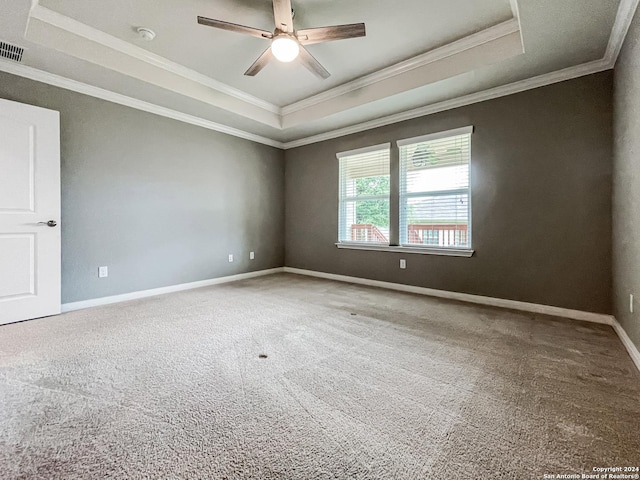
(509, 89)
(624, 17)
(85, 31)
(480, 38)
(502, 91)
(86, 89)
(515, 11)
(134, 53)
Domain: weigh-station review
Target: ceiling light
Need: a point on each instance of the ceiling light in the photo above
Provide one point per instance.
(146, 33)
(285, 48)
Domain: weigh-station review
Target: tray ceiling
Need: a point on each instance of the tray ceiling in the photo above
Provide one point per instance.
(417, 54)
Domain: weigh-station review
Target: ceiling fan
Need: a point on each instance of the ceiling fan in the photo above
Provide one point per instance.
(288, 44)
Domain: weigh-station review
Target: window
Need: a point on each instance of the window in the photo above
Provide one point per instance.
(364, 195)
(431, 198)
(435, 201)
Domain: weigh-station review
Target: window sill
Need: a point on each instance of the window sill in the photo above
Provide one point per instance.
(449, 252)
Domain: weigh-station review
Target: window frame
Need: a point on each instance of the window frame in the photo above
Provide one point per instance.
(403, 196)
(343, 199)
(395, 196)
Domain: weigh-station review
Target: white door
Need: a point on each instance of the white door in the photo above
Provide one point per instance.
(29, 198)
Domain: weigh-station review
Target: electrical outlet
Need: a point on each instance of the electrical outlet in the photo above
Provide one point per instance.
(252, 255)
(403, 263)
(631, 302)
(230, 257)
(103, 272)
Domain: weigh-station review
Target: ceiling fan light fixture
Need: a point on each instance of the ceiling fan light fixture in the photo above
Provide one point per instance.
(285, 48)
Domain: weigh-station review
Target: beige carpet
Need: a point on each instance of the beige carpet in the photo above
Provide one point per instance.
(358, 383)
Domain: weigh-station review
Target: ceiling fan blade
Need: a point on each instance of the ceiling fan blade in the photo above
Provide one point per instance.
(233, 27)
(260, 63)
(326, 34)
(283, 16)
(312, 64)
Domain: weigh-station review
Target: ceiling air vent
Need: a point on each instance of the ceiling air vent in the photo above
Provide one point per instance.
(12, 52)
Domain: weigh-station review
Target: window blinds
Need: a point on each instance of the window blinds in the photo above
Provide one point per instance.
(364, 195)
(434, 190)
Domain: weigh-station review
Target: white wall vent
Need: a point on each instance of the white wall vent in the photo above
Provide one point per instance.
(12, 52)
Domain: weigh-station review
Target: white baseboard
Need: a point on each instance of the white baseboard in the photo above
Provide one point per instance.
(628, 344)
(466, 297)
(94, 302)
(493, 302)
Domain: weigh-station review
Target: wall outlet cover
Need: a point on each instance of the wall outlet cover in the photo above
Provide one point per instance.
(403, 263)
(252, 255)
(103, 272)
(230, 257)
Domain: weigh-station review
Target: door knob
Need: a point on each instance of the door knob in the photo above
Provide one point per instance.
(50, 223)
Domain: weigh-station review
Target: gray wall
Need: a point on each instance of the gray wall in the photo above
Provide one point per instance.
(626, 184)
(158, 201)
(541, 192)
(161, 202)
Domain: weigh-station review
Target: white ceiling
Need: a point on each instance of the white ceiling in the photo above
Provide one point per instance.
(407, 29)
(416, 53)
